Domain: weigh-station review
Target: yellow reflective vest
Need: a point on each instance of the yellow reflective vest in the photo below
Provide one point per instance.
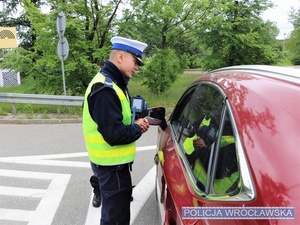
(220, 185)
(188, 143)
(99, 151)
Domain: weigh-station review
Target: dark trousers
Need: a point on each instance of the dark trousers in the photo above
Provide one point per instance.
(116, 190)
(95, 184)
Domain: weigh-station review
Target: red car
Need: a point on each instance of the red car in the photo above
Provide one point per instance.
(229, 153)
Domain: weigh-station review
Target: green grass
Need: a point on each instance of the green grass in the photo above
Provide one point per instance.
(22, 88)
(168, 99)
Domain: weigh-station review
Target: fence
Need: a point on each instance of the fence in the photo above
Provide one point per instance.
(9, 78)
(15, 98)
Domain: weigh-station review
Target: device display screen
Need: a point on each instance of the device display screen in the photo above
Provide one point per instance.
(137, 104)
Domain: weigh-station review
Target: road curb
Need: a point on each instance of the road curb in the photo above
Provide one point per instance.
(39, 121)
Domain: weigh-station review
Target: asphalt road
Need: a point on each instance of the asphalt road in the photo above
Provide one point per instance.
(44, 177)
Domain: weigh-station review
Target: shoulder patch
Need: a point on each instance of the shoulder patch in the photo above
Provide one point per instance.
(99, 86)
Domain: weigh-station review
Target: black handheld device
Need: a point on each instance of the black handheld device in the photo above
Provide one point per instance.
(138, 105)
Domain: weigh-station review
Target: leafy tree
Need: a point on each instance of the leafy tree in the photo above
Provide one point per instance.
(165, 25)
(294, 17)
(293, 43)
(179, 33)
(88, 30)
(237, 35)
(160, 71)
(294, 46)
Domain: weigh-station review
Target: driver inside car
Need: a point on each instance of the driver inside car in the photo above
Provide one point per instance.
(197, 149)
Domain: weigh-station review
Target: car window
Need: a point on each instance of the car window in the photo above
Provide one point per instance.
(197, 126)
(178, 117)
(226, 171)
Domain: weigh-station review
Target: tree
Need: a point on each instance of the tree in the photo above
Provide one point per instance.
(88, 30)
(160, 71)
(185, 32)
(237, 35)
(294, 17)
(294, 46)
(293, 42)
(166, 26)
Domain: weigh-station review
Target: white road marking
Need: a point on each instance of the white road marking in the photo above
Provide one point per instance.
(16, 214)
(141, 193)
(146, 148)
(50, 197)
(93, 214)
(23, 192)
(49, 160)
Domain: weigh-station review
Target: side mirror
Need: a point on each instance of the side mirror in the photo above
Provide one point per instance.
(156, 116)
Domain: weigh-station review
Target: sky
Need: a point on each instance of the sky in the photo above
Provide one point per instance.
(279, 15)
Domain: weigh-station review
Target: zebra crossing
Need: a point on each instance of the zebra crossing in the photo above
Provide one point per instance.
(49, 198)
(40, 193)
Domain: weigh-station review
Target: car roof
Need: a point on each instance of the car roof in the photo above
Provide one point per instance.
(287, 73)
(265, 102)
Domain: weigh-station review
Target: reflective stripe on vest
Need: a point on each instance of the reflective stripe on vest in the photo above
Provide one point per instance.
(189, 146)
(205, 122)
(223, 184)
(99, 151)
(220, 185)
(226, 140)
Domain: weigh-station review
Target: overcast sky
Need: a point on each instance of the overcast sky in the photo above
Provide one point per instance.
(279, 14)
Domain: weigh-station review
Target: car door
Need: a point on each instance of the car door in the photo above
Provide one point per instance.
(210, 174)
(171, 186)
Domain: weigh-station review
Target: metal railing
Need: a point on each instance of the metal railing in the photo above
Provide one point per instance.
(15, 98)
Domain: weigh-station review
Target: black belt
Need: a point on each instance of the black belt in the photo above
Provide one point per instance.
(115, 167)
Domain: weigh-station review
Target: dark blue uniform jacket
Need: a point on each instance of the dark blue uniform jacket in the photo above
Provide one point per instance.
(105, 109)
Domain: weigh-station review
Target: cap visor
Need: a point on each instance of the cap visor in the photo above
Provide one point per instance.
(138, 60)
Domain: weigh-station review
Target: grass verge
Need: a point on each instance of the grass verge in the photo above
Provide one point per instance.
(168, 99)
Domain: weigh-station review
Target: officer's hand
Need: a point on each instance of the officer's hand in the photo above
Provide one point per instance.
(143, 124)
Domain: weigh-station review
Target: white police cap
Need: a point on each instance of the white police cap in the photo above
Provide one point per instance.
(136, 48)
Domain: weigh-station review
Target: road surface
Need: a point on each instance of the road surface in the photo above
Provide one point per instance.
(44, 177)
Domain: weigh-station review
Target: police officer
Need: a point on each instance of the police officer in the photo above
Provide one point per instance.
(109, 132)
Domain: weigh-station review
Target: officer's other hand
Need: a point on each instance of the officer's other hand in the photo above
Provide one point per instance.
(143, 124)
(199, 143)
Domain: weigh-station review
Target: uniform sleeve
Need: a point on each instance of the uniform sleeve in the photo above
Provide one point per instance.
(106, 111)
